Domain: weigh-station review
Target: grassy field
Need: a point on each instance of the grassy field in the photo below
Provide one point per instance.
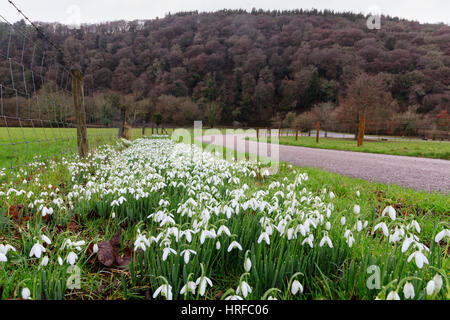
(20, 145)
(149, 189)
(426, 149)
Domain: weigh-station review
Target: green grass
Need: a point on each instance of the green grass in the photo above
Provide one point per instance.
(20, 145)
(330, 276)
(426, 149)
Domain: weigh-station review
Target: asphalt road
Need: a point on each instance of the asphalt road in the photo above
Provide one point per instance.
(411, 172)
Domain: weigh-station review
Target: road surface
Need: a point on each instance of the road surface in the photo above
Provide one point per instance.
(411, 172)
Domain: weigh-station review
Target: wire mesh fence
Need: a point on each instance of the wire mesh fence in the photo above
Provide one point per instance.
(37, 115)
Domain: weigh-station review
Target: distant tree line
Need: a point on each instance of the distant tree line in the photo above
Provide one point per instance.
(233, 67)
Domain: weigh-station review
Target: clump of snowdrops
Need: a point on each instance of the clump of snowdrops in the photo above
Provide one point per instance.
(200, 226)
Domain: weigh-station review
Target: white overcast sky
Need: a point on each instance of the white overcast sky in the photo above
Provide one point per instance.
(89, 11)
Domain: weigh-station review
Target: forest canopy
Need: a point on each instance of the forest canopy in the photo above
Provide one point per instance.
(252, 67)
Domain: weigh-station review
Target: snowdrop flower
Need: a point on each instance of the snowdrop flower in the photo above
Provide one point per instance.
(391, 211)
(44, 261)
(343, 221)
(357, 193)
(328, 225)
(264, 236)
(223, 229)
(60, 261)
(271, 298)
(203, 282)
(296, 287)
(349, 238)
(46, 211)
(218, 245)
(166, 252)
(188, 235)
(394, 237)
(350, 241)
(309, 240)
(71, 258)
(327, 240)
(4, 250)
(190, 286)
(77, 245)
(419, 258)
(186, 254)
(244, 288)
(233, 245)
(406, 243)
(26, 294)
(393, 295)
(37, 250)
(431, 286)
(46, 239)
(114, 203)
(113, 214)
(356, 209)
(416, 225)
(204, 234)
(165, 290)
(383, 227)
(95, 248)
(438, 282)
(359, 226)
(234, 297)
(66, 244)
(408, 290)
(441, 235)
(332, 196)
(247, 265)
(140, 242)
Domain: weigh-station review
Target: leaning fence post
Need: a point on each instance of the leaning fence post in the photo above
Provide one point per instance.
(80, 112)
(361, 127)
(317, 131)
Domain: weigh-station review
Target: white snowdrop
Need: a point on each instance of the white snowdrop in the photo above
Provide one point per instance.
(296, 287)
(408, 290)
(233, 245)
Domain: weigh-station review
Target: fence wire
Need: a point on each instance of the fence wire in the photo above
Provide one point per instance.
(37, 116)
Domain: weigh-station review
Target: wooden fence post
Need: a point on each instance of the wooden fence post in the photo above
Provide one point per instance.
(361, 127)
(296, 133)
(80, 111)
(279, 131)
(124, 129)
(317, 131)
(143, 130)
(257, 134)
